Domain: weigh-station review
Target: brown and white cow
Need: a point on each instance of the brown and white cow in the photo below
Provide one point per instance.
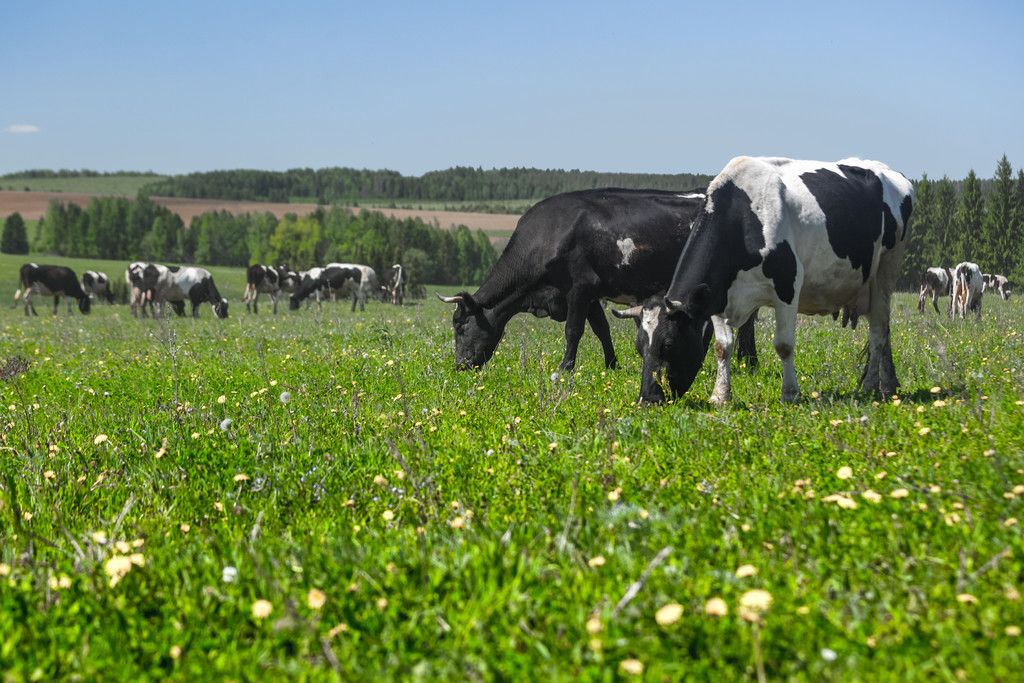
(998, 283)
(935, 283)
(968, 290)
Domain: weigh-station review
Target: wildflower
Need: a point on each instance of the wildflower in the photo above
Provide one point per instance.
(229, 574)
(594, 625)
(241, 477)
(873, 496)
(669, 614)
(844, 472)
(1012, 631)
(966, 598)
(315, 598)
(900, 493)
(614, 494)
(99, 537)
(1011, 521)
(185, 528)
(388, 515)
(123, 547)
(222, 399)
(100, 438)
(924, 431)
(175, 651)
(49, 474)
(935, 390)
(632, 667)
(382, 603)
(828, 654)
(745, 571)
(5, 569)
(379, 480)
(261, 609)
(117, 568)
(753, 603)
(716, 607)
(286, 396)
(225, 424)
(457, 523)
(597, 561)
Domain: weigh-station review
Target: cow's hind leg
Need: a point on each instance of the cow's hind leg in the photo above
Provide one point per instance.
(723, 354)
(785, 346)
(577, 308)
(599, 324)
(746, 351)
(880, 371)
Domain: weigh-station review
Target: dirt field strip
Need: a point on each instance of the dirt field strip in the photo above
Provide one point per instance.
(32, 206)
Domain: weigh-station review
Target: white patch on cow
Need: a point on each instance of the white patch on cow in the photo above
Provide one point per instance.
(626, 248)
(692, 195)
(649, 321)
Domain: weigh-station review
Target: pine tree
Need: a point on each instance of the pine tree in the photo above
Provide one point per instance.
(946, 247)
(970, 213)
(15, 236)
(996, 231)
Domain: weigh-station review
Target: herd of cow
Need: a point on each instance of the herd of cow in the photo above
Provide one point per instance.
(153, 285)
(804, 237)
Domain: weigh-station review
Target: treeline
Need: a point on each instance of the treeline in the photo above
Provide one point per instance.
(42, 173)
(347, 185)
(141, 230)
(969, 220)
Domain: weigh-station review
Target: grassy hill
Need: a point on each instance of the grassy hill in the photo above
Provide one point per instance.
(105, 185)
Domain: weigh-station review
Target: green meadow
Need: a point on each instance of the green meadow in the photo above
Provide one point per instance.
(320, 496)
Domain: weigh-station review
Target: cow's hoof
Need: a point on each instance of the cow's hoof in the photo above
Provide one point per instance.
(720, 399)
(791, 396)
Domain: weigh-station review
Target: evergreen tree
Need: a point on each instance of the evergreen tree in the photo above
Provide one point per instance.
(996, 229)
(970, 214)
(946, 249)
(15, 235)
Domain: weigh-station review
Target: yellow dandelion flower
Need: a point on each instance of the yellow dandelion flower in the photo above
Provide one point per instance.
(1012, 631)
(49, 474)
(935, 390)
(873, 496)
(1011, 521)
(138, 559)
(716, 607)
(614, 494)
(844, 472)
(380, 480)
(218, 506)
(745, 571)
(631, 667)
(241, 477)
(597, 561)
(966, 598)
(340, 628)
(185, 528)
(388, 515)
(382, 603)
(1019, 489)
(64, 582)
(100, 438)
(5, 569)
(315, 598)
(594, 625)
(457, 523)
(116, 568)
(99, 537)
(934, 488)
(900, 493)
(881, 475)
(175, 651)
(669, 614)
(924, 431)
(261, 609)
(222, 399)
(123, 547)
(803, 610)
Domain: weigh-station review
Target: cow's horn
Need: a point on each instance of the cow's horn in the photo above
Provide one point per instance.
(634, 312)
(457, 299)
(673, 306)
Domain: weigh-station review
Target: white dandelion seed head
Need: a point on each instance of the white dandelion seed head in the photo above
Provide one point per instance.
(286, 396)
(225, 424)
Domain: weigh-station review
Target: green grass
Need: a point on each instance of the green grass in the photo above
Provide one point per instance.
(490, 525)
(102, 185)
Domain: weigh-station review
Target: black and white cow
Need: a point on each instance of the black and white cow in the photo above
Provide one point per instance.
(55, 281)
(137, 299)
(998, 283)
(968, 290)
(269, 280)
(935, 283)
(801, 236)
(368, 285)
(176, 284)
(330, 281)
(567, 253)
(393, 286)
(96, 284)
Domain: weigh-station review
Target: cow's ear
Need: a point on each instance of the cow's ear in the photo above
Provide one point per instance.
(698, 301)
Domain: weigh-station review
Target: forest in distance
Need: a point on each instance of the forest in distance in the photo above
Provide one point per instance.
(971, 219)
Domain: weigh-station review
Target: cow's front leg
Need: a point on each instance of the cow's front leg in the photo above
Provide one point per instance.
(723, 354)
(599, 324)
(574, 321)
(785, 346)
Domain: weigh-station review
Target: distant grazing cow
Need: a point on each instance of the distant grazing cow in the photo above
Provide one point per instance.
(331, 280)
(55, 281)
(935, 283)
(998, 283)
(801, 236)
(393, 286)
(137, 299)
(269, 280)
(567, 253)
(176, 284)
(968, 290)
(97, 285)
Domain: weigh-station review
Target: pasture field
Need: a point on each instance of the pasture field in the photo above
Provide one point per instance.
(128, 185)
(321, 496)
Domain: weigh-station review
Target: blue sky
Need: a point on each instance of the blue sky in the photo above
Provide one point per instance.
(654, 87)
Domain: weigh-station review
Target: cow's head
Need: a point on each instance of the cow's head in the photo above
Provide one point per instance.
(476, 334)
(671, 343)
(220, 309)
(84, 304)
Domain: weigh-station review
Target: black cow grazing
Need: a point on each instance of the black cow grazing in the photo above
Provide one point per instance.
(567, 253)
(55, 281)
(269, 280)
(998, 283)
(801, 236)
(176, 284)
(96, 284)
(968, 290)
(393, 286)
(331, 280)
(935, 283)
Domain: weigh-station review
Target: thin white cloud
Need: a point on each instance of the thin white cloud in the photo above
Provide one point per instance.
(23, 128)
